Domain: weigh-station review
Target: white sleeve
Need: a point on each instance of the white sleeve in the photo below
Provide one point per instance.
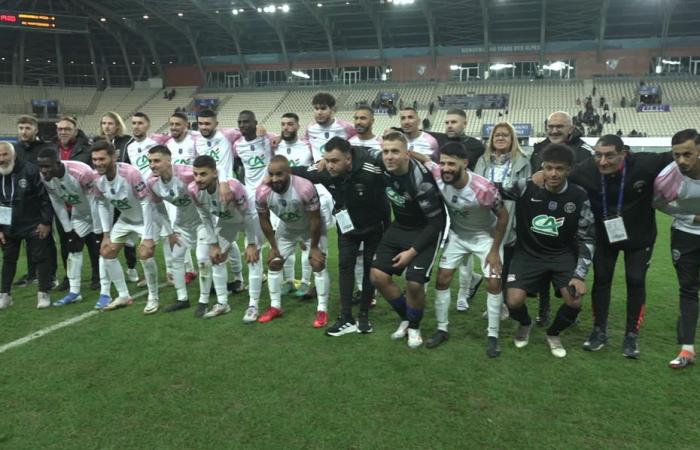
(225, 164)
(104, 210)
(95, 213)
(61, 213)
(149, 219)
(208, 223)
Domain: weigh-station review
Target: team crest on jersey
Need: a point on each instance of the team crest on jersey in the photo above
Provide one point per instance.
(675, 255)
(552, 205)
(138, 149)
(140, 187)
(454, 199)
(327, 134)
(283, 202)
(252, 147)
(569, 207)
(22, 183)
(179, 151)
(394, 197)
(547, 225)
(639, 185)
(208, 143)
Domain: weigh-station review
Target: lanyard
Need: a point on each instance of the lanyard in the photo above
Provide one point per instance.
(506, 173)
(12, 194)
(620, 196)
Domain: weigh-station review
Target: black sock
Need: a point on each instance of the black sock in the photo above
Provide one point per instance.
(566, 316)
(520, 315)
(399, 305)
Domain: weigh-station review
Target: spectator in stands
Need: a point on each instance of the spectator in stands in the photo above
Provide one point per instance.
(29, 144)
(560, 130)
(623, 102)
(165, 93)
(426, 124)
(415, 105)
(606, 107)
(74, 145)
(633, 133)
(112, 129)
(601, 102)
(614, 117)
(431, 108)
(619, 132)
(578, 101)
(479, 111)
(593, 93)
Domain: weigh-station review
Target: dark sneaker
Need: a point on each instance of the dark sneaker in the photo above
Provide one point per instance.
(235, 287)
(25, 281)
(630, 348)
(492, 347)
(177, 306)
(341, 327)
(473, 289)
(596, 340)
(201, 310)
(543, 313)
(437, 338)
(64, 286)
(363, 324)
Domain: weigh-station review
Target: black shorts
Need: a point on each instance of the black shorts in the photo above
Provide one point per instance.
(397, 239)
(530, 273)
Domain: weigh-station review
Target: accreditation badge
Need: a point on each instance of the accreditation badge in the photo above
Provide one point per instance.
(615, 229)
(342, 218)
(5, 215)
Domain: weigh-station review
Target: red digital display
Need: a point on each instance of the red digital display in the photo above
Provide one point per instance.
(43, 21)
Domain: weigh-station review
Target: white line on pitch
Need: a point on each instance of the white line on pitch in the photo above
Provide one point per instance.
(68, 322)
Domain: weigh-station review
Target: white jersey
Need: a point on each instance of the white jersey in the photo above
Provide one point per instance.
(298, 153)
(128, 193)
(424, 144)
(471, 208)
(375, 143)
(679, 196)
(317, 135)
(183, 152)
(138, 155)
(234, 212)
(255, 155)
(74, 191)
(218, 146)
(290, 206)
(176, 192)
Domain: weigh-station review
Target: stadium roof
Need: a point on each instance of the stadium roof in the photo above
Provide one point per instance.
(183, 30)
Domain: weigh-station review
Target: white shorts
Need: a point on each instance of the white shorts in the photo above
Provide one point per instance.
(287, 242)
(327, 205)
(82, 225)
(458, 247)
(123, 232)
(191, 236)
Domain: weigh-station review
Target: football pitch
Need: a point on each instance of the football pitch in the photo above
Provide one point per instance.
(124, 380)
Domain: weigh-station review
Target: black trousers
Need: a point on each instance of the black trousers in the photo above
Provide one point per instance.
(636, 265)
(92, 242)
(685, 252)
(348, 248)
(38, 252)
(52, 256)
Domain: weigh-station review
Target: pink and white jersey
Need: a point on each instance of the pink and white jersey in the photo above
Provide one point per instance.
(218, 146)
(298, 153)
(127, 192)
(290, 206)
(176, 192)
(375, 143)
(317, 135)
(138, 155)
(75, 189)
(678, 196)
(183, 151)
(424, 144)
(255, 156)
(235, 211)
(471, 208)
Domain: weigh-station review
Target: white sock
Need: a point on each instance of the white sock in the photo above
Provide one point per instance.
(116, 275)
(204, 282)
(255, 272)
(189, 263)
(274, 284)
(322, 281)
(75, 268)
(493, 306)
(289, 266)
(689, 348)
(105, 286)
(150, 273)
(167, 256)
(177, 270)
(442, 306)
(465, 276)
(359, 271)
(234, 257)
(305, 267)
(219, 275)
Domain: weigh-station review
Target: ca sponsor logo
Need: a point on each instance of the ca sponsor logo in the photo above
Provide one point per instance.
(71, 199)
(547, 225)
(289, 217)
(256, 162)
(182, 201)
(142, 162)
(225, 214)
(215, 153)
(394, 197)
(120, 204)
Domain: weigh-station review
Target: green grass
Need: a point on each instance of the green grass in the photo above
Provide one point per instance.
(121, 380)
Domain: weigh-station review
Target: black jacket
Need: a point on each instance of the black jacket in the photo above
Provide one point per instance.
(475, 148)
(81, 149)
(582, 151)
(361, 191)
(28, 151)
(120, 143)
(30, 203)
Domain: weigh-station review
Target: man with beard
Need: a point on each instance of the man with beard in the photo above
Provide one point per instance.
(560, 130)
(222, 222)
(25, 215)
(357, 186)
(418, 141)
(478, 222)
(677, 192)
(411, 243)
(298, 153)
(70, 185)
(365, 137)
(325, 125)
(295, 201)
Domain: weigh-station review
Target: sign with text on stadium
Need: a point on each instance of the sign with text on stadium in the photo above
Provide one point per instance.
(522, 130)
(36, 21)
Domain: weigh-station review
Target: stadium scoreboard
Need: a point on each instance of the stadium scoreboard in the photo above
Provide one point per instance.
(34, 21)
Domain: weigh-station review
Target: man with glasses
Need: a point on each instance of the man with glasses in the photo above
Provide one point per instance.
(620, 186)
